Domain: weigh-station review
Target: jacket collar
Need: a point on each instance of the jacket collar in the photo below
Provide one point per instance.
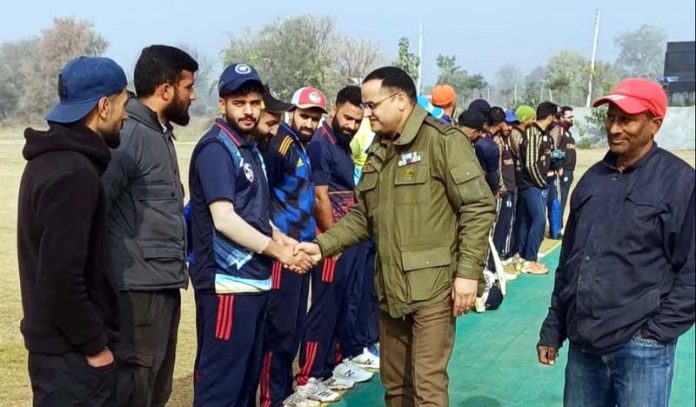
(610, 160)
(138, 111)
(413, 125)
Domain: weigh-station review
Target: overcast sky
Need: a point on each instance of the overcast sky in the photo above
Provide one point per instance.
(482, 34)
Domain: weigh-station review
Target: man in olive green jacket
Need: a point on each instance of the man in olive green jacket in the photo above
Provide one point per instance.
(423, 198)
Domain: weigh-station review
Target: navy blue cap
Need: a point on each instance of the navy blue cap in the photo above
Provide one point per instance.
(237, 75)
(510, 116)
(81, 83)
(481, 106)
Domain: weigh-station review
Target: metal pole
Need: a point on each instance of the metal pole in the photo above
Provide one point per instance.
(514, 96)
(592, 61)
(419, 81)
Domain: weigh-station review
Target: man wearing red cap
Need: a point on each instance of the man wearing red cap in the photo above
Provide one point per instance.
(445, 98)
(624, 289)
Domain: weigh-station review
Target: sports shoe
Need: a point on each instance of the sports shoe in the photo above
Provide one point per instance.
(534, 268)
(366, 360)
(316, 390)
(336, 384)
(298, 400)
(347, 370)
(374, 349)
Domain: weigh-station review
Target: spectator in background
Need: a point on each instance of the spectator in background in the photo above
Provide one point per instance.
(567, 145)
(502, 235)
(487, 150)
(535, 158)
(471, 123)
(444, 97)
(481, 106)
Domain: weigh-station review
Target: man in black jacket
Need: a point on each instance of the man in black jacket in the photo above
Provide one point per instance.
(624, 287)
(147, 227)
(68, 294)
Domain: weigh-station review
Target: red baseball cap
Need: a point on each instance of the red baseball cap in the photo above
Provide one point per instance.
(636, 95)
(307, 98)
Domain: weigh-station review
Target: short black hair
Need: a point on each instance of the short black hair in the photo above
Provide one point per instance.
(394, 78)
(496, 115)
(565, 109)
(160, 64)
(546, 109)
(246, 88)
(349, 94)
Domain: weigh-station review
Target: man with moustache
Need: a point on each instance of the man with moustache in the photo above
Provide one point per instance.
(271, 117)
(339, 297)
(624, 287)
(234, 243)
(293, 205)
(70, 314)
(423, 198)
(567, 144)
(146, 224)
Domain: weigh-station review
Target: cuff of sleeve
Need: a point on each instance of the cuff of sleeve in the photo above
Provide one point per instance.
(328, 245)
(466, 270)
(94, 346)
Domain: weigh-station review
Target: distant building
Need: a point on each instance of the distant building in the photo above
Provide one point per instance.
(680, 67)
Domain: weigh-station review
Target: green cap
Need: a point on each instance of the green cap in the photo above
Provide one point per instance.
(525, 113)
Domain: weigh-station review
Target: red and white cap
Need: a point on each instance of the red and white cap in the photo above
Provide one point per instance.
(307, 98)
(636, 95)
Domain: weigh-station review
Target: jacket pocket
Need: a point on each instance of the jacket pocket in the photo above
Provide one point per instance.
(469, 181)
(367, 188)
(159, 213)
(428, 271)
(410, 184)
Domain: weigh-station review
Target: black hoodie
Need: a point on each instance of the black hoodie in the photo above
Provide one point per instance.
(68, 296)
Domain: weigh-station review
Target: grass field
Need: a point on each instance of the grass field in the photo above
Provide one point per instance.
(14, 387)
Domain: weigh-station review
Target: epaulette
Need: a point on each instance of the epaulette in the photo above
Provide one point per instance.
(285, 145)
(439, 125)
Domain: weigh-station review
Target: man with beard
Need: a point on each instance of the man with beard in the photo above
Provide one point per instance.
(343, 310)
(566, 144)
(234, 244)
(147, 227)
(292, 196)
(271, 117)
(68, 293)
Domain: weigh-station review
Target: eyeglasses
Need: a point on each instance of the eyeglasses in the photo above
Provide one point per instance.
(373, 105)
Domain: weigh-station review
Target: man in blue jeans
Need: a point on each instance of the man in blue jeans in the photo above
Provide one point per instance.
(533, 166)
(624, 287)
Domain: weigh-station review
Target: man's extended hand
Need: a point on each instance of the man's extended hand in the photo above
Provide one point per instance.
(311, 249)
(547, 355)
(299, 262)
(464, 295)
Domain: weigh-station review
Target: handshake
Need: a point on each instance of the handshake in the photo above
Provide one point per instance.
(295, 256)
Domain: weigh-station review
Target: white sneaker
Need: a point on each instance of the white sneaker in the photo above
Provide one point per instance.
(347, 370)
(298, 400)
(336, 384)
(316, 390)
(366, 360)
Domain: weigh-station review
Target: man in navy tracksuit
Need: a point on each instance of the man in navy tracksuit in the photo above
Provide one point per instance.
(234, 243)
(292, 211)
(342, 321)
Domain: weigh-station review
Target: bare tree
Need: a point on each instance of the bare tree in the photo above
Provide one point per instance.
(66, 39)
(354, 58)
(507, 78)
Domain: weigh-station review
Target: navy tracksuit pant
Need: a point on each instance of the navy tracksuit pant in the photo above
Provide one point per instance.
(230, 335)
(285, 318)
(334, 328)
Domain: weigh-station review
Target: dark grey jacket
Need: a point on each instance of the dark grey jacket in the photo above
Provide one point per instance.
(146, 223)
